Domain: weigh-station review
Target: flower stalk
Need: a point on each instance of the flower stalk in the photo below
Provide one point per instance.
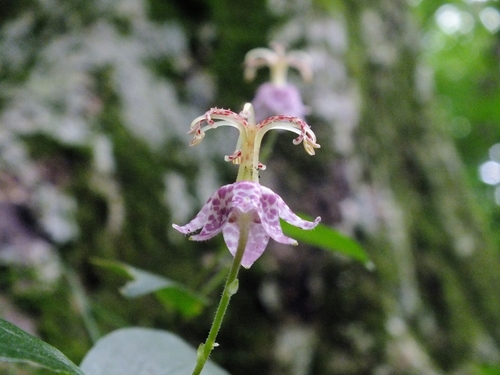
(230, 288)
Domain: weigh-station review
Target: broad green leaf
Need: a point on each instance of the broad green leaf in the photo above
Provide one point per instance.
(168, 292)
(143, 351)
(327, 238)
(19, 346)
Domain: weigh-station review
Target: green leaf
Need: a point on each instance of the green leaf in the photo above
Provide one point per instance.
(140, 351)
(327, 238)
(168, 292)
(19, 346)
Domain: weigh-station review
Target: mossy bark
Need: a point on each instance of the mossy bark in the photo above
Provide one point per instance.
(437, 266)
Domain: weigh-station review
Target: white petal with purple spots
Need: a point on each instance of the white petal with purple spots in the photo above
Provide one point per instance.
(222, 210)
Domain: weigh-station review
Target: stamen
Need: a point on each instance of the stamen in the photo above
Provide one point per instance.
(235, 157)
(197, 132)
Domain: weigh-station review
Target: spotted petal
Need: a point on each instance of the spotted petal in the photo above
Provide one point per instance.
(289, 216)
(246, 199)
(269, 214)
(212, 217)
(224, 208)
(257, 241)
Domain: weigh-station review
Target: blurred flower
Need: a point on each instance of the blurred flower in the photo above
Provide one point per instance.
(278, 97)
(246, 202)
(278, 61)
(271, 99)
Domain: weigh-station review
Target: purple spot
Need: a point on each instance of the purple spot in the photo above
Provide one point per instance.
(222, 192)
(245, 185)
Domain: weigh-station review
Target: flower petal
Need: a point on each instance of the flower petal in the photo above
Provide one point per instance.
(246, 196)
(269, 213)
(257, 243)
(257, 239)
(289, 216)
(271, 100)
(231, 233)
(212, 216)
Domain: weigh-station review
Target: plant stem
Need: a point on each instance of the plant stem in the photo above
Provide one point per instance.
(230, 288)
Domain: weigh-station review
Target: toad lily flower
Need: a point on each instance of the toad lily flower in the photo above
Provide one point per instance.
(278, 61)
(246, 202)
(277, 96)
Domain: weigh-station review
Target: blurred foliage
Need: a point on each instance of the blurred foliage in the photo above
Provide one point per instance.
(327, 239)
(174, 296)
(466, 74)
(487, 370)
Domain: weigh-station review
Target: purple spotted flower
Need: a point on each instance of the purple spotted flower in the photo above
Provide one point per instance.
(278, 97)
(246, 202)
(222, 211)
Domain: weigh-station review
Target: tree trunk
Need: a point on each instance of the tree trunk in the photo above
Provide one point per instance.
(436, 270)
(396, 182)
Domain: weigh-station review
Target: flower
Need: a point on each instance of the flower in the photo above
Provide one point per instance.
(278, 61)
(271, 99)
(222, 211)
(278, 97)
(246, 202)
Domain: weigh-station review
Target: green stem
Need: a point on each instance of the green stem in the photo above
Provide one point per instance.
(230, 288)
